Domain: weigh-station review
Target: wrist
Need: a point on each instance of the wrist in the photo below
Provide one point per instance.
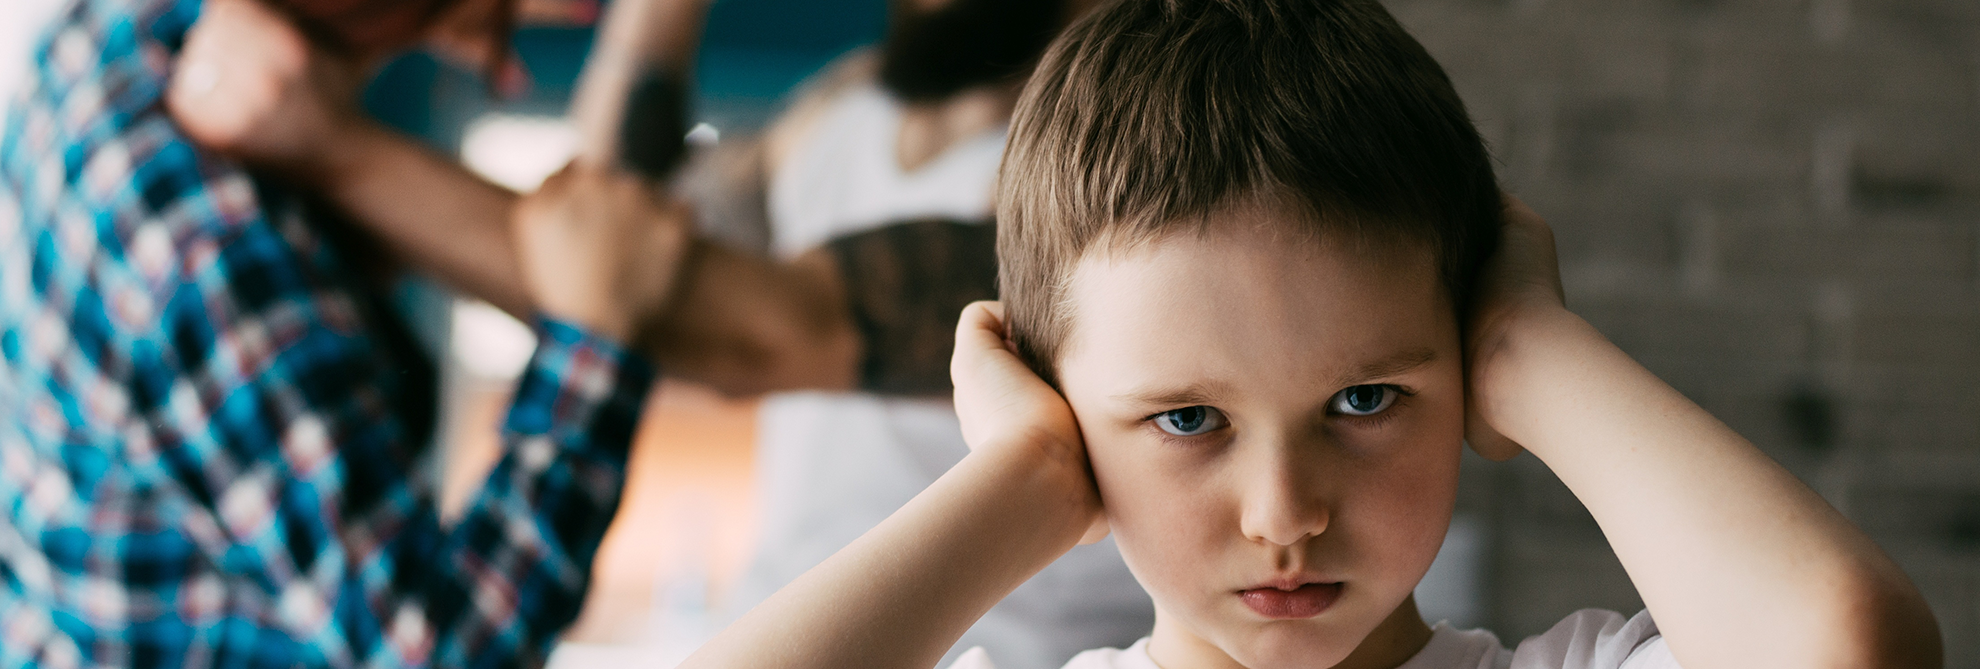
(1052, 474)
(598, 320)
(1508, 358)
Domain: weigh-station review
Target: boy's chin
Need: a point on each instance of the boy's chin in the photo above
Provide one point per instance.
(1292, 643)
(1324, 640)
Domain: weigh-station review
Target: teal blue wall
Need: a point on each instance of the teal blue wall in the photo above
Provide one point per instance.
(753, 53)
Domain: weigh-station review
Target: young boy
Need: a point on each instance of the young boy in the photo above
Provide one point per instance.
(1246, 241)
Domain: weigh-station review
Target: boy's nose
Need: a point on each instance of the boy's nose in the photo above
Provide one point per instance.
(1281, 499)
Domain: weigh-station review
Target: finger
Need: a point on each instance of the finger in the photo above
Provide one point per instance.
(1520, 217)
(980, 330)
(535, 211)
(604, 182)
(989, 381)
(1516, 208)
(1525, 229)
(679, 214)
(979, 337)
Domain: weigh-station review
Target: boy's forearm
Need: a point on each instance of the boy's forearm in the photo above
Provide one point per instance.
(902, 594)
(1741, 563)
(427, 209)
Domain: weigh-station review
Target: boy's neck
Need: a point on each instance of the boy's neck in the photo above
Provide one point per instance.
(1400, 637)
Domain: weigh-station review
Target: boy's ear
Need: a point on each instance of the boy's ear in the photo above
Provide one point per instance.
(1487, 441)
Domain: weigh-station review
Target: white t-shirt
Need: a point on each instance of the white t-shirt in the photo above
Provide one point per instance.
(831, 466)
(1589, 639)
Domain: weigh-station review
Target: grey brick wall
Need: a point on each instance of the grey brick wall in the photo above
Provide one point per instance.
(1776, 207)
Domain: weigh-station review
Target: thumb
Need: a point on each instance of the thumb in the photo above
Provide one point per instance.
(992, 385)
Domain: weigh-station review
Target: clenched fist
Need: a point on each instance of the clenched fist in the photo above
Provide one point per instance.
(249, 85)
(1004, 404)
(1521, 284)
(602, 249)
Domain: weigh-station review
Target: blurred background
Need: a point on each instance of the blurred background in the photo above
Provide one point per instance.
(1773, 204)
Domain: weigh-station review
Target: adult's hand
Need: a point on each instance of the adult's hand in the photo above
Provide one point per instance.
(602, 249)
(249, 85)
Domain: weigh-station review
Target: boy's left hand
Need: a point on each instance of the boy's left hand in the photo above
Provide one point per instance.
(1520, 285)
(1003, 404)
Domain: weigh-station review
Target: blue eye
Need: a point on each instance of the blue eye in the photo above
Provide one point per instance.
(1190, 421)
(1363, 400)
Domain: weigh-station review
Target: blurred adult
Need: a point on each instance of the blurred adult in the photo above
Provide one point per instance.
(877, 186)
(841, 247)
(213, 424)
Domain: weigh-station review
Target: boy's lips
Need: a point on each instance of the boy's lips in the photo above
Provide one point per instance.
(1290, 601)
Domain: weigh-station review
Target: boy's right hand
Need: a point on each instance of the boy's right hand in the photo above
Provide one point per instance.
(1003, 404)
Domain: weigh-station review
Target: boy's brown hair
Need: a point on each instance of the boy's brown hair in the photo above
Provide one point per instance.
(1148, 115)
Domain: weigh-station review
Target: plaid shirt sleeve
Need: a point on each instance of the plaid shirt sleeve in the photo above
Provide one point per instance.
(511, 574)
(210, 446)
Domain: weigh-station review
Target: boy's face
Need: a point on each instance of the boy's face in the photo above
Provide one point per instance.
(1275, 428)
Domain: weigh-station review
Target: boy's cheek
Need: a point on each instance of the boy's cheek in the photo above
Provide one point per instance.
(1403, 509)
(1175, 535)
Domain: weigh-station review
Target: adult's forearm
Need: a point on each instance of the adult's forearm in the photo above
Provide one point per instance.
(873, 311)
(1742, 564)
(904, 286)
(741, 323)
(636, 38)
(902, 594)
(429, 210)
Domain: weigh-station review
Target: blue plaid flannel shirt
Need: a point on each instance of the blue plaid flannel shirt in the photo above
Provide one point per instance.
(210, 435)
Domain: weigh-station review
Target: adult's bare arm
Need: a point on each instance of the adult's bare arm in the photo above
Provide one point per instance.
(640, 42)
(435, 214)
(904, 285)
(870, 311)
(251, 86)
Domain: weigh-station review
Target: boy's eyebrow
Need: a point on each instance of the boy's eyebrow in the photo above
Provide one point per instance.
(1402, 361)
(1185, 396)
(1209, 393)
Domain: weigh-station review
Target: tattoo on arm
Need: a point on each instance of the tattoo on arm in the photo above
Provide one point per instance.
(905, 286)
